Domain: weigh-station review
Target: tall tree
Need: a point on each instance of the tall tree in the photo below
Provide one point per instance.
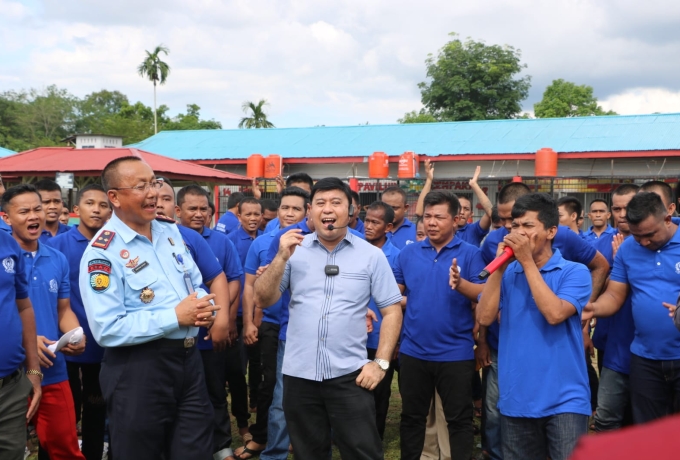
(473, 81)
(257, 118)
(566, 99)
(157, 71)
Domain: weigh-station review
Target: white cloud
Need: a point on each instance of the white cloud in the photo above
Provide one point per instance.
(643, 100)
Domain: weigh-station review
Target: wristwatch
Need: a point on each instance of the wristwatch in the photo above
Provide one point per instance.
(383, 363)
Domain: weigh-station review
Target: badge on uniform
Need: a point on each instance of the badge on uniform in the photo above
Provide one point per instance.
(124, 253)
(104, 239)
(172, 243)
(99, 271)
(147, 295)
(132, 263)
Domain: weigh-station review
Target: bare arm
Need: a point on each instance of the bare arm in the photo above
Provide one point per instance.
(219, 332)
(485, 221)
(267, 285)
(599, 269)
(553, 309)
(470, 290)
(234, 295)
(610, 301)
(429, 170)
(390, 328)
(487, 308)
(249, 328)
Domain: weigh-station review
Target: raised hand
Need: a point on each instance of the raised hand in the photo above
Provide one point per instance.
(454, 274)
(473, 181)
(289, 241)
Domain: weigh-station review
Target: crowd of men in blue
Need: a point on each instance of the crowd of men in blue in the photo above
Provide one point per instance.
(175, 314)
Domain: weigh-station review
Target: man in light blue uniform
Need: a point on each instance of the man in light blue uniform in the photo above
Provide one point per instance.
(144, 304)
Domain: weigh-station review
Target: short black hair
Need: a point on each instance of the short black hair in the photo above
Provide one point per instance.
(296, 191)
(109, 177)
(47, 185)
(355, 196)
(211, 205)
(234, 199)
(541, 203)
(89, 188)
(397, 190)
(510, 192)
(268, 205)
(331, 183)
(571, 205)
(17, 190)
(464, 197)
(666, 189)
(598, 200)
(249, 200)
(388, 212)
(438, 197)
(643, 205)
(192, 189)
(495, 218)
(298, 178)
(626, 189)
(167, 181)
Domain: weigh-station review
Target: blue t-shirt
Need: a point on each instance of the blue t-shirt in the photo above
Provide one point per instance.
(405, 234)
(571, 246)
(472, 233)
(48, 281)
(257, 255)
(72, 245)
(541, 370)
(438, 320)
(592, 237)
(45, 235)
(653, 277)
(227, 223)
(391, 253)
(360, 227)
(200, 251)
(13, 287)
(4, 226)
(242, 242)
(272, 226)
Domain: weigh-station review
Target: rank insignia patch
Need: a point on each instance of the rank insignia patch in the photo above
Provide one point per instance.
(104, 239)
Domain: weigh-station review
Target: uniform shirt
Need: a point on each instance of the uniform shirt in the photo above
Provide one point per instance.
(360, 227)
(391, 253)
(201, 252)
(46, 235)
(653, 277)
(112, 290)
(13, 287)
(541, 370)
(592, 237)
(257, 256)
(272, 226)
(227, 223)
(48, 281)
(5, 227)
(242, 242)
(571, 246)
(72, 245)
(405, 234)
(472, 233)
(328, 313)
(438, 320)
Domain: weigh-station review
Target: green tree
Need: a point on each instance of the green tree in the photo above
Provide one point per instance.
(417, 117)
(155, 70)
(95, 108)
(257, 118)
(566, 99)
(192, 120)
(473, 81)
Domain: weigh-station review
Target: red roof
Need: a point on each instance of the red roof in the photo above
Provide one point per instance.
(45, 161)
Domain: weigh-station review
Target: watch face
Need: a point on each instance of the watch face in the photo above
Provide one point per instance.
(384, 364)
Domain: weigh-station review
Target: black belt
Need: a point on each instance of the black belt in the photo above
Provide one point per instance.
(5, 380)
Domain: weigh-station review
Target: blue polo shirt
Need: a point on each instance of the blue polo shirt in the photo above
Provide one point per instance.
(438, 320)
(72, 245)
(653, 277)
(272, 226)
(472, 233)
(5, 227)
(242, 242)
(541, 370)
(227, 223)
(604, 245)
(391, 253)
(592, 237)
(360, 227)
(46, 235)
(13, 287)
(405, 234)
(256, 258)
(571, 246)
(200, 251)
(48, 281)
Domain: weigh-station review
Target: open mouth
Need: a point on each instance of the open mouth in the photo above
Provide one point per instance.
(326, 221)
(33, 228)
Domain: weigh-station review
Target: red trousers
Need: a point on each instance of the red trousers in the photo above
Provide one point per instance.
(55, 423)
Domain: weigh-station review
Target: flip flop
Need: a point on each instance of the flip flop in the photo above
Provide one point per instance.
(251, 452)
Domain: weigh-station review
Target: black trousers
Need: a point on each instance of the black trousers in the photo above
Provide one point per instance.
(593, 382)
(87, 394)
(215, 369)
(452, 381)
(381, 395)
(236, 378)
(268, 340)
(313, 408)
(157, 402)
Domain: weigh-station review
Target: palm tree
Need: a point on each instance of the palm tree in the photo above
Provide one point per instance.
(155, 70)
(258, 118)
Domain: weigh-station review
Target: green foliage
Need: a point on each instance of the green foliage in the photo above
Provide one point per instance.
(191, 121)
(566, 99)
(473, 81)
(417, 117)
(257, 118)
(153, 68)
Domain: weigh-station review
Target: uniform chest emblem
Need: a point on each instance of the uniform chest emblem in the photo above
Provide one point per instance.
(99, 271)
(147, 295)
(54, 287)
(677, 268)
(124, 253)
(132, 263)
(8, 265)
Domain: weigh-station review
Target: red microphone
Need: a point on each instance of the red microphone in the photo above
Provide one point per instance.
(497, 262)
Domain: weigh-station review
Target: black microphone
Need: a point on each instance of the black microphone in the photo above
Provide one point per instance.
(495, 264)
(333, 227)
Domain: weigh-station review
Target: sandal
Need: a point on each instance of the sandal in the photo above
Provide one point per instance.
(252, 453)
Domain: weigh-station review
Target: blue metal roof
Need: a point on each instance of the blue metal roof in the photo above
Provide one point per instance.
(4, 152)
(585, 134)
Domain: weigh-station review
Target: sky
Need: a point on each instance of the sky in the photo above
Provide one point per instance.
(337, 62)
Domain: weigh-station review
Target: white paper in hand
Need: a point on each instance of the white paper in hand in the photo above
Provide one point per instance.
(73, 337)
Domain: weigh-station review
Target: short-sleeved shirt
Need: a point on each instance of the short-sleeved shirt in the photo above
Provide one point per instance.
(72, 245)
(272, 226)
(571, 246)
(13, 287)
(404, 235)
(591, 236)
(360, 227)
(45, 235)
(541, 370)
(472, 233)
(131, 300)
(201, 252)
(327, 327)
(653, 277)
(391, 253)
(48, 281)
(242, 242)
(227, 223)
(4, 226)
(438, 320)
(256, 258)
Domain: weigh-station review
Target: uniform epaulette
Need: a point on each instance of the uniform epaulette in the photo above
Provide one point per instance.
(165, 219)
(104, 239)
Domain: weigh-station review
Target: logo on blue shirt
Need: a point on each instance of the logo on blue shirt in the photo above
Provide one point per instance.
(8, 263)
(54, 287)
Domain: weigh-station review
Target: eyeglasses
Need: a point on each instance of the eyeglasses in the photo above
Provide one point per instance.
(144, 187)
